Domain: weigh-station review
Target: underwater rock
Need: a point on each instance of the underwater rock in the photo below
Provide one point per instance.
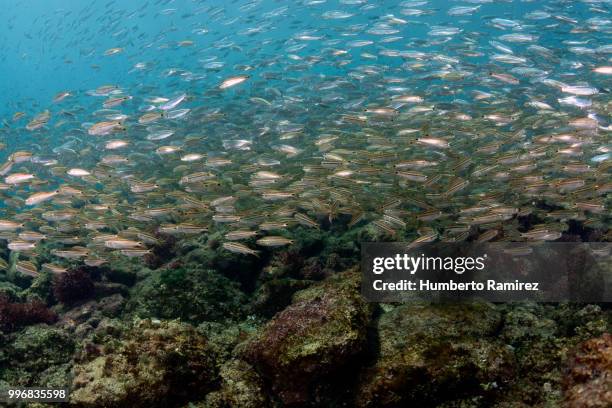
(36, 355)
(241, 269)
(241, 387)
(319, 333)
(583, 322)
(189, 293)
(588, 381)
(542, 336)
(274, 295)
(524, 324)
(8, 289)
(106, 330)
(288, 262)
(532, 333)
(430, 354)
(224, 337)
(78, 314)
(111, 305)
(82, 319)
(103, 289)
(153, 364)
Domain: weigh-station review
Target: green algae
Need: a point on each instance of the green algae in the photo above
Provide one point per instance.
(191, 294)
(153, 364)
(37, 356)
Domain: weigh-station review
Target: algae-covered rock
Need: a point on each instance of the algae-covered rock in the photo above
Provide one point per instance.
(206, 252)
(588, 382)
(542, 337)
(35, 355)
(525, 324)
(111, 305)
(241, 387)
(82, 320)
(153, 364)
(582, 322)
(274, 295)
(318, 334)
(190, 294)
(224, 337)
(430, 354)
(9, 290)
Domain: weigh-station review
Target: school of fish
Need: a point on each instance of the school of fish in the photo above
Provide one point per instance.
(352, 123)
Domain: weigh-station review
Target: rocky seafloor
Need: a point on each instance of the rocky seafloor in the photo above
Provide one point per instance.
(201, 327)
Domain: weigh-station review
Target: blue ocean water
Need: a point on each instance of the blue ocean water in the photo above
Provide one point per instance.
(54, 45)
